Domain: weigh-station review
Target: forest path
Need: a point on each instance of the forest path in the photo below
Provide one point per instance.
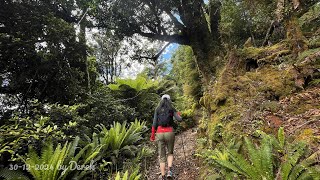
(185, 167)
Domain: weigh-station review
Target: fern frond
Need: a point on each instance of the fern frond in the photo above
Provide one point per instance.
(33, 161)
(248, 170)
(281, 137)
(266, 160)
(72, 148)
(314, 172)
(304, 165)
(254, 155)
(135, 175)
(46, 153)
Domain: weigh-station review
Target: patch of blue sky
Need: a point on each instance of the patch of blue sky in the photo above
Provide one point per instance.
(178, 18)
(167, 55)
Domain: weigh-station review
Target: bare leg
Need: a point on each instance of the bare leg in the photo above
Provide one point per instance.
(170, 160)
(163, 168)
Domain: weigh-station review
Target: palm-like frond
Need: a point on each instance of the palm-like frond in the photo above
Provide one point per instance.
(49, 165)
(133, 176)
(302, 169)
(258, 162)
(291, 159)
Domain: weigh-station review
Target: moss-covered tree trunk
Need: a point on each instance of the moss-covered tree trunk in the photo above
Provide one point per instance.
(294, 35)
(203, 39)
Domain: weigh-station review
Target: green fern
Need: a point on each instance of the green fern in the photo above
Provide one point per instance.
(57, 163)
(134, 176)
(295, 152)
(302, 169)
(116, 143)
(259, 162)
(281, 137)
(46, 166)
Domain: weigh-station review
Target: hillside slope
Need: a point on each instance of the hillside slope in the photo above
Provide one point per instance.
(264, 89)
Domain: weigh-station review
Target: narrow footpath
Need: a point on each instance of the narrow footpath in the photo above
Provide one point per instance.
(184, 166)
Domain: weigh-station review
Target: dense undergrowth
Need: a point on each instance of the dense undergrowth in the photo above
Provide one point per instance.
(101, 138)
(260, 90)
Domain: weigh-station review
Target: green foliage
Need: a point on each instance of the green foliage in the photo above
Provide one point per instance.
(41, 57)
(259, 165)
(59, 162)
(138, 84)
(315, 82)
(45, 122)
(126, 176)
(103, 107)
(274, 158)
(310, 20)
(185, 73)
(118, 137)
(241, 20)
(8, 174)
(117, 145)
(120, 142)
(139, 94)
(109, 150)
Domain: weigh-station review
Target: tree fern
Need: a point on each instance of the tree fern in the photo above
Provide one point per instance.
(139, 84)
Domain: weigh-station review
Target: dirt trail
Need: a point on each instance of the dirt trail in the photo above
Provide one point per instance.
(182, 169)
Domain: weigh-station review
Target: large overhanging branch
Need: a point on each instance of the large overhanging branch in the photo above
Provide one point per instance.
(174, 38)
(152, 58)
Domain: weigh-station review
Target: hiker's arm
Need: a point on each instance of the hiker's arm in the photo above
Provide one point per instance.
(177, 116)
(154, 126)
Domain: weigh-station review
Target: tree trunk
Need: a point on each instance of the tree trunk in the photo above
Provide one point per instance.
(295, 36)
(82, 39)
(203, 40)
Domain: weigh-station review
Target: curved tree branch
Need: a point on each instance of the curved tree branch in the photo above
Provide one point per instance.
(174, 38)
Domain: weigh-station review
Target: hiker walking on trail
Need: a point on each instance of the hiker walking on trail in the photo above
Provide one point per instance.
(162, 128)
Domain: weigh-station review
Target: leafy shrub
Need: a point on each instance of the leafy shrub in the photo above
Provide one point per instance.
(45, 122)
(103, 107)
(116, 145)
(108, 151)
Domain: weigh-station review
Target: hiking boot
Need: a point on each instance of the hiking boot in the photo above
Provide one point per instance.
(170, 175)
